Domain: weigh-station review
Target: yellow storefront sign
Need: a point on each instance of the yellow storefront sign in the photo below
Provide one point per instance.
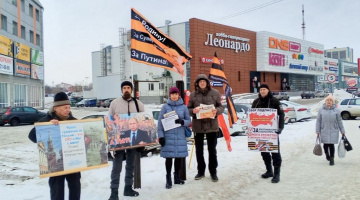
(6, 46)
(22, 52)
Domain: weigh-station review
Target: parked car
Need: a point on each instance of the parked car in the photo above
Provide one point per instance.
(281, 95)
(290, 114)
(356, 94)
(327, 90)
(99, 102)
(302, 112)
(350, 108)
(75, 100)
(307, 94)
(321, 93)
(107, 103)
(239, 128)
(90, 103)
(20, 114)
(81, 103)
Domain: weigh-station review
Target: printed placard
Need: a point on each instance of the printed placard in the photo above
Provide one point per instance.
(263, 142)
(71, 146)
(262, 120)
(130, 131)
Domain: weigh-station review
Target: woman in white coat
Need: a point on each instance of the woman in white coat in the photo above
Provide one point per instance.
(328, 125)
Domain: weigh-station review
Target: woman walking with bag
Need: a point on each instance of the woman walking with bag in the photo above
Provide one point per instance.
(328, 125)
(173, 142)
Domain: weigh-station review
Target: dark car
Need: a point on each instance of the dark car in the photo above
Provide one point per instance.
(20, 114)
(307, 94)
(90, 103)
(75, 100)
(99, 102)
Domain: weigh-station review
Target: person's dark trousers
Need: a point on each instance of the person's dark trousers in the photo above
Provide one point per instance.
(168, 165)
(211, 139)
(330, 147)
(117, 167)
(57, 183)
(276, 157)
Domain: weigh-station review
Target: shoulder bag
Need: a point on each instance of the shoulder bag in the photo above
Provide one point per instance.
(317, 149)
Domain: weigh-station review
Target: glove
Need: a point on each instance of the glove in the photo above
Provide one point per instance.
(279, 131)
(162, 141)
(179, 121)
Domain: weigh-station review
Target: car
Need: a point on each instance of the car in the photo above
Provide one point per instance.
(307, 94)
(327, 90)
(99, 102)
(90, 103)
(75, 100)
(321, 93)
(281, 95)
(107, 103)
(81, 103)
(19, 115)
(302, 112)
(238, 129)
(349, 108)
(356, 94)
(290, 114)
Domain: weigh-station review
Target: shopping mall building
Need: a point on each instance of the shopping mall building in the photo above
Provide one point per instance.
(248, 58)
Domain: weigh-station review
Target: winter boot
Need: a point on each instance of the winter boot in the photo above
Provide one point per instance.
(276, 177)
(177, 179)
(199, 176)
(269, 171)
(214, 178)
(168, 181)
(332, 161)
(114, 194)
(327, 156)
(128, 191)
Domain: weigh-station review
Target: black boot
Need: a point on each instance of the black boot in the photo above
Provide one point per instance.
(276, 177)
(114, 194)
(327, 156)
(269, 171)
(332, 161)
(128, 191)
(177, 179)
(168, 181)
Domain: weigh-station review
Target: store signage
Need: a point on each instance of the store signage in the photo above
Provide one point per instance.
(333, 63)
(22, 52)
(285, 45)
(294, 47)
(302, 67)
(242, 46)
(315, 68)
(6, 65)
(210, 60)
(216, 83)
(317, 51)
(334, 69)
(351, 82)
(276, 59)
(298, 56)
(22, 68)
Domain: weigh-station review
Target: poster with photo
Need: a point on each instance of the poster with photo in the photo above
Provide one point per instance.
(71, 146)
(131, 131)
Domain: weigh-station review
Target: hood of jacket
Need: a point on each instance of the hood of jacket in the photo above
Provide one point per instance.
(198, 78)
(175, 103)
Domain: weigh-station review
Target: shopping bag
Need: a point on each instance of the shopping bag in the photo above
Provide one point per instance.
(317, 149)
(347, 144)
(341, 149)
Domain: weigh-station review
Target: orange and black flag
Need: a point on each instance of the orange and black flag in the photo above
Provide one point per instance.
(217, 74)
(152, 47)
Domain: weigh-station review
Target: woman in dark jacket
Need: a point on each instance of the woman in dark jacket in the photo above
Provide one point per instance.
(267, 100)
(173, 141)
(60, 112)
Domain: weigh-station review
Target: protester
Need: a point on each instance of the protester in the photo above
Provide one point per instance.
(328, 125)
(267, 100)
(60, 112)
(124, 105)
(204, 94)
(173, 141)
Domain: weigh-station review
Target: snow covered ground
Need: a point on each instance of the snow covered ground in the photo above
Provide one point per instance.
(303, 175)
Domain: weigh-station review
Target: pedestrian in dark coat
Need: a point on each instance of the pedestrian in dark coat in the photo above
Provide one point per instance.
(173, 141)
(60, 112)
(267, 100)
(328, 125)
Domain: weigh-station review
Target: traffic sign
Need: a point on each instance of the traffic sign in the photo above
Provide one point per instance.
(331, 78)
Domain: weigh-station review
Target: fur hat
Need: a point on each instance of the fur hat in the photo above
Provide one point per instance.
(126, 83)
(61, 99)
(174, 90)
(264, 85)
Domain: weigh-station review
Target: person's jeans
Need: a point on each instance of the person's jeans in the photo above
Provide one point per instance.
(211, 139)
(117, 167)
(57, 184)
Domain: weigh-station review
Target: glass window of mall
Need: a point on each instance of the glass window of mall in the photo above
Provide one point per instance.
(20, 95)
(36, 96)
(4, 95)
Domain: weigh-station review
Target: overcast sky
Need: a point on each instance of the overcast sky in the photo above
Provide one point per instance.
(74, 29)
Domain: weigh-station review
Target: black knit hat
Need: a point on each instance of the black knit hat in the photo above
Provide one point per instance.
(126, 83)
(264, 85)
(61, 99)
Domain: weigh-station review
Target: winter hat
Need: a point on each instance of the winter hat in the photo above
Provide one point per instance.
(61, 99)
(330, 97)
(126, 83)
(174, 90)
(264, 85)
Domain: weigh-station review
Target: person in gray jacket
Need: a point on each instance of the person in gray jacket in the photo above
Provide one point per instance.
(328, 124)
(173, 142)
(204, 94)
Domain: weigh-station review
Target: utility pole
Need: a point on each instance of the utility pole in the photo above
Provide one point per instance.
(303, 24)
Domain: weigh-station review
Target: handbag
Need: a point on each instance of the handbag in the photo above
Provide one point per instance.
(341, 148)
(187, 131)
(347, 144)
(317, 149)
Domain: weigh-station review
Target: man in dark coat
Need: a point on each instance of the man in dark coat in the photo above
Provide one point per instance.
(266, 100)
(136, 135)
(60, 112)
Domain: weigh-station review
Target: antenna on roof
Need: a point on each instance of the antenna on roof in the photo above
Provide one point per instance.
(303, 24)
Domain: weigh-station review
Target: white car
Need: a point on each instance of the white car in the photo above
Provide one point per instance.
(290, 114)
(302, 112)
(350, 108)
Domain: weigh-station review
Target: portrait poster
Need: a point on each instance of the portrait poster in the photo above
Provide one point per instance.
(263, 142)
(131, 131)
(72, 146)
(262, 120)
